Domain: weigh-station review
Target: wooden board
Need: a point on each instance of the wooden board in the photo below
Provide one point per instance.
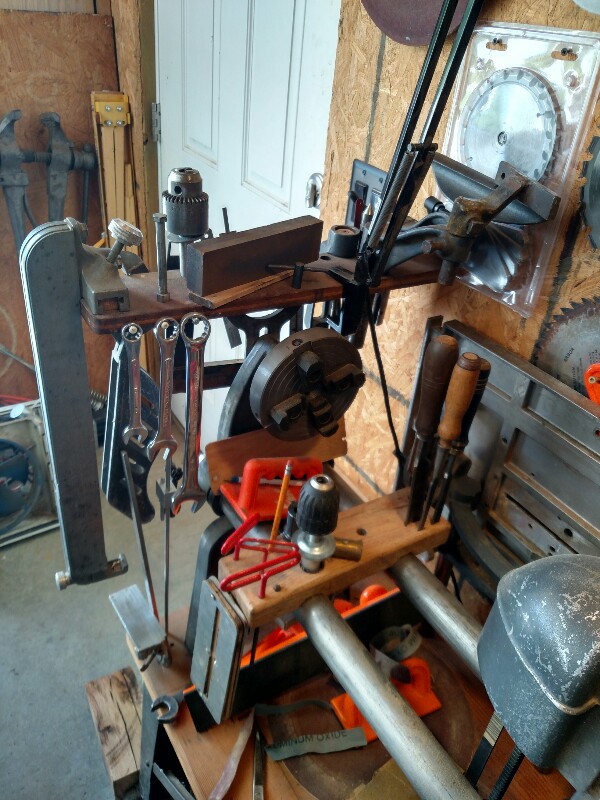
(49, 62)
(386, 540)
(227, 457)
(237, 258)
(133, 19)
(373, 85)
(203, 755)
(116, 705)
(316, 287)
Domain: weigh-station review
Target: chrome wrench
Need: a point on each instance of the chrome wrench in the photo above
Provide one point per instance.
(132, 336)
(166, 331)
(194, 351)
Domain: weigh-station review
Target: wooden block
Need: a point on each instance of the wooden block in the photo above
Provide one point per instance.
(387, 539)
(227, 457)
(115, 703)
(237, 258)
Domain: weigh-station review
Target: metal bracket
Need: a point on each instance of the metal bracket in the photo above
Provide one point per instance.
(218, 650)
(139, 622)
(155, 130)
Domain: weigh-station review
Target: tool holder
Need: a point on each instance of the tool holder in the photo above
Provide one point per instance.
(288, 556)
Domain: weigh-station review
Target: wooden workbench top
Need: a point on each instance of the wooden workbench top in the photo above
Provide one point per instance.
(316, 288)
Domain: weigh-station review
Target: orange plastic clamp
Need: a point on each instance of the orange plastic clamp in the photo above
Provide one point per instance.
(249, 497)
(418, 694)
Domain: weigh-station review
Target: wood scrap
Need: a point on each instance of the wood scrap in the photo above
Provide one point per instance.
(115, 704)
(219, 299)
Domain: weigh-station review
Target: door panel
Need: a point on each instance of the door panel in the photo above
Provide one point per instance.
(244, 88)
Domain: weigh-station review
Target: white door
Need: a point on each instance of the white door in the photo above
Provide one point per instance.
(244, 89)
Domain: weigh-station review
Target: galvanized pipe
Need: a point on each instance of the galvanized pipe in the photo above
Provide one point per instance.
(428, 767)
(441, 609)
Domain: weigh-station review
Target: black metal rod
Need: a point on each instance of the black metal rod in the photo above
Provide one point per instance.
(430, 61)
(417, 175)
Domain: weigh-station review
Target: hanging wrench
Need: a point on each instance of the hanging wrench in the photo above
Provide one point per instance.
(132, 336)
(194, 350)
(166, 331)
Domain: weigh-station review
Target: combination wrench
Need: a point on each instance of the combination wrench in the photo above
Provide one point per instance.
(194, 351)
(166, 331)
(132, 336)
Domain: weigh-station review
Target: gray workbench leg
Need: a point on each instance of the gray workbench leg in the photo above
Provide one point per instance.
(150, 725)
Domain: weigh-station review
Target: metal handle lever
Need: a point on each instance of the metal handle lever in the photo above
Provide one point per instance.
(132, 336)
(194, 349)
(166, 331)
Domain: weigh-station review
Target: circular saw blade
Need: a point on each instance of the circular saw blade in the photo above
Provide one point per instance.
(511, 116)
(590, 192)
(570, 343)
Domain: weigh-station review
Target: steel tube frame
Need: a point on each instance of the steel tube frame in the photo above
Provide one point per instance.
(441, 609)
(426, 764)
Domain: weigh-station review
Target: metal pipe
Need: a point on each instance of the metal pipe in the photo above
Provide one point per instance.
(428, 767)
(441, 609)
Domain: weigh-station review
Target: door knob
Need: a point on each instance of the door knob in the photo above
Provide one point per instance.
(313, 190)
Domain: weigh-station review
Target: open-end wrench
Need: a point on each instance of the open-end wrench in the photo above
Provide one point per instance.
(132, 336)
(166, 331)
(194, 351)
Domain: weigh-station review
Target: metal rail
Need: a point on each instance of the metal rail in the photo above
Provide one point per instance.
(426, 764)
(431, 598)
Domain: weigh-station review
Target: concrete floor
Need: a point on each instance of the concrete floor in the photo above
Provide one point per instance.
(54, 642)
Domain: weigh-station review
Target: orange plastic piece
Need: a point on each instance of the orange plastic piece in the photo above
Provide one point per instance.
(372, 592)
(249, 496)
(418, 694)
(591, 380)
(278, 639)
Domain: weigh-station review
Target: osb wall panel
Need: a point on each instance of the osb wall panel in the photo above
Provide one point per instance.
(49, 62)
(365, 120)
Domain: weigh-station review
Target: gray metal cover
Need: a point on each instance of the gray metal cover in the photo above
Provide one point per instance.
(539, 656)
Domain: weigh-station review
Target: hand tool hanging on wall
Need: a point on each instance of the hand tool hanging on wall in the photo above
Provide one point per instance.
(194, 342)
(457, 402)
(61, 157)
(440, 357)
(132, 336)
(166, 332)
(459, 445)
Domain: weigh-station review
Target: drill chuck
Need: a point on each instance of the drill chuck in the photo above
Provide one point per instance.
(316, 517)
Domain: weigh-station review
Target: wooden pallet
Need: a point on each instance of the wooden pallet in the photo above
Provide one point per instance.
(116, 706)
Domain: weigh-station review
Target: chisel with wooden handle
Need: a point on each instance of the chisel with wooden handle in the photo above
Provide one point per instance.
(438, 362)
(459, 446)
(458, 399)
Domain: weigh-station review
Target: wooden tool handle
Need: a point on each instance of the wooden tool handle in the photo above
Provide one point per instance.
(459, 395)
(484, 374)
(440, 357)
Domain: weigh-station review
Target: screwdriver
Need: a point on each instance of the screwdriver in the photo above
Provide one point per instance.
(438, 362)
(459, 446)
(458, 398)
